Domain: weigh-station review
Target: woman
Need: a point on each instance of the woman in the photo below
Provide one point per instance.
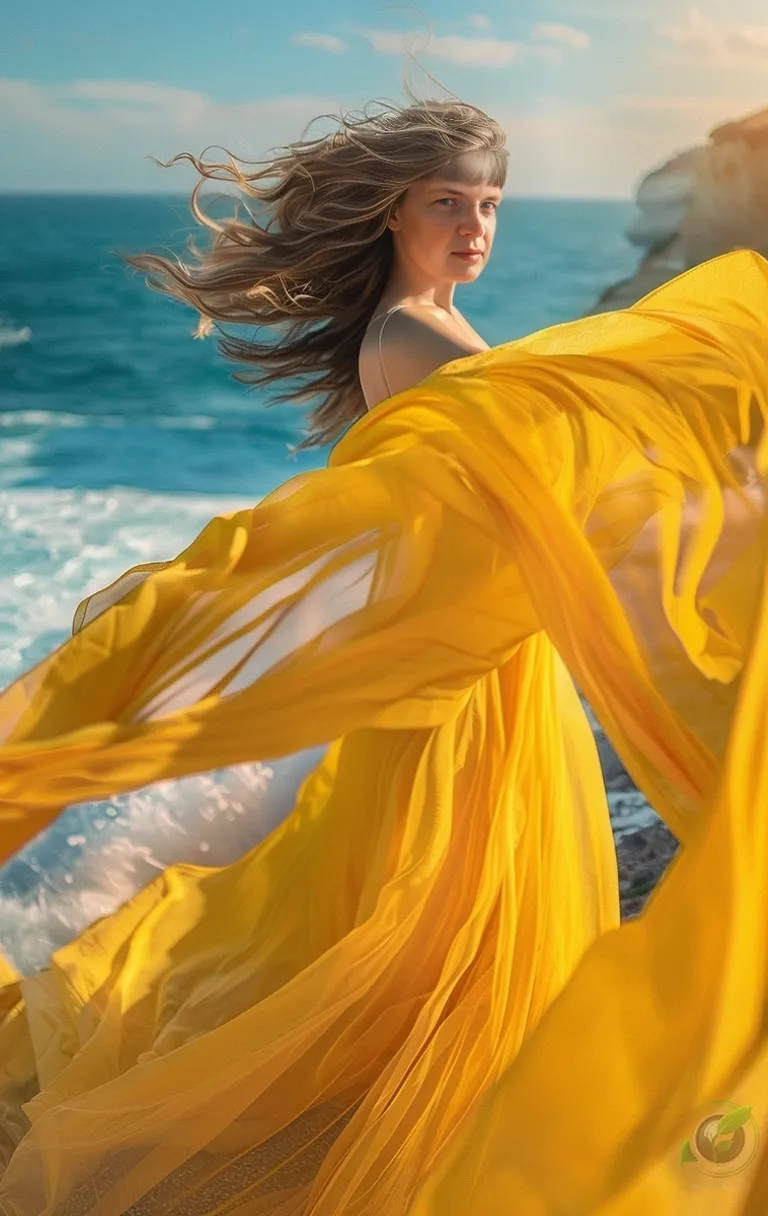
(386, 1005)
(442, 234)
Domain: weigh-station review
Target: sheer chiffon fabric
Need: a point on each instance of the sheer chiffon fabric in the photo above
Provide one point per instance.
(415, 996)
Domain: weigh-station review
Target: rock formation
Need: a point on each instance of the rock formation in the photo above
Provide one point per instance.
(644, 853)
(643, 857)
(705, 201)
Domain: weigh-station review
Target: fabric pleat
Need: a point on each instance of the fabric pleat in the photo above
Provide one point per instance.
(415, 994)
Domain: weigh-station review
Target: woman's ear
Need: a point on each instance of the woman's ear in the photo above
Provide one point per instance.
(393, 223)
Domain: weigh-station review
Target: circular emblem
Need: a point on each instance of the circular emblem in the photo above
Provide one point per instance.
(723, 1142)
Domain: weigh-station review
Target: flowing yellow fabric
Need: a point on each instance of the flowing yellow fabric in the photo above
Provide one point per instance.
(415, 996)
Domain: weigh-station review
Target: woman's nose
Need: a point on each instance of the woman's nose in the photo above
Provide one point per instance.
(473, 223)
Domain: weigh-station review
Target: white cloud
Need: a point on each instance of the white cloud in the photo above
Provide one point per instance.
(323, 42)
(703, 39)
(683, 104)
(614, 10)
(137, 92)
(564, 148)
(479, 21)
(478, 52)
(551, 31)
(470, 52)
(108, 129)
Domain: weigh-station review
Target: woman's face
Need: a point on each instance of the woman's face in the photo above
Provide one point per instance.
(440, 218)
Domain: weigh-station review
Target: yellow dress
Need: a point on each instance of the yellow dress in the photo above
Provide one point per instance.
(414, 997)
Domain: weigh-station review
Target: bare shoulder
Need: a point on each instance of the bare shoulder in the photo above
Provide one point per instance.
(402, 348)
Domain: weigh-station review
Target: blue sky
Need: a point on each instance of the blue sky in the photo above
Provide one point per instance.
(592, 94)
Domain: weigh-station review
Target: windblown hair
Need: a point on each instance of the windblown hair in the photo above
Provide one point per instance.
(314, 261)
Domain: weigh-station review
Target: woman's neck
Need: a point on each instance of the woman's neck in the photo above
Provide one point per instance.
(402, 291)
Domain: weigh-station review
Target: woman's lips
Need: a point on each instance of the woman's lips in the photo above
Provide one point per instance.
(470, 255)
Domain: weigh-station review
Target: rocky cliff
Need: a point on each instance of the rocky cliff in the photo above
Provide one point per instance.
(703, 202)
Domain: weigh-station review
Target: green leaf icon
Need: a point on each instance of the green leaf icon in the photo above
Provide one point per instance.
(687, 1154)
(722, 1143)
(734, 1119)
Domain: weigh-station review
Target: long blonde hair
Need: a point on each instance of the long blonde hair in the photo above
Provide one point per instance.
(318, 264)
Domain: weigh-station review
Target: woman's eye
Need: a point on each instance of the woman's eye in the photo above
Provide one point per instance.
(487, 203)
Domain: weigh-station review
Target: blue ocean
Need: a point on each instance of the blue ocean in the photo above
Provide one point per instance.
(120, 437)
